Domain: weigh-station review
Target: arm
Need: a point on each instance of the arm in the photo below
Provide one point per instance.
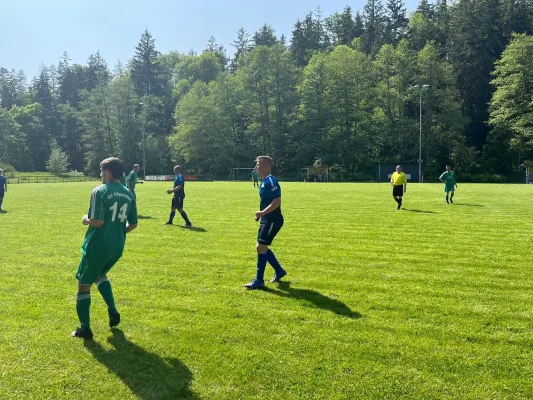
(6, 185)
(440, 178)
(175, 189)
(95, 223)
(130, 227)
(276, 203)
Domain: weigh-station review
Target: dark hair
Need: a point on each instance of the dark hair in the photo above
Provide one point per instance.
(113, 165)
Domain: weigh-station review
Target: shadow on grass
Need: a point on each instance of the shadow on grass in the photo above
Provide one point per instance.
(145, 217)
(419, 211)
(319, 300)
(193, 228)
(148, 375)
(469, 205)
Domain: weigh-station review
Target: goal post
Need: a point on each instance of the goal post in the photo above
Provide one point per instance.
(241, 174)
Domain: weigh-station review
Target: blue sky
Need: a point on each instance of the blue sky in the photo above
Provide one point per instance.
(39, 31)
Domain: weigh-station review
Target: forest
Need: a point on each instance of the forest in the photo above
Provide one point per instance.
(346, 90)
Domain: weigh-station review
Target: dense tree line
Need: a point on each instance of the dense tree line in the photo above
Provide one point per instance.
(343, 88)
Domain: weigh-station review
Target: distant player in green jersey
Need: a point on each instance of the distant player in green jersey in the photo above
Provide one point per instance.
(131, 180)
(123, 180)
(255, 177)
(112, 205)
(3, 187)
(448, 178)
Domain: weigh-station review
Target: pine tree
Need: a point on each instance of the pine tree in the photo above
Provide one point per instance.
(396, 21)
(242, 46)
(144, 67)
(265, 36)
(299, 44)
(374, 17)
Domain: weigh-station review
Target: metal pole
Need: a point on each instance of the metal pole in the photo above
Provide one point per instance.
(144, 140)
(420, 142)
(144, 155)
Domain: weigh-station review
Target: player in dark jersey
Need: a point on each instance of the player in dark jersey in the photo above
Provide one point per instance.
(179, 197)
(3, 187)
(271, 221)
(112, 205)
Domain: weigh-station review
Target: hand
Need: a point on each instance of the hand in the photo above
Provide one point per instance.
(141, 182)
(258, 215)
(169, 191)
(405, 190)
(85, 220)
(456, 185)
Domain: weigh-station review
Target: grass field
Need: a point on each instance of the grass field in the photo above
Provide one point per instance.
(432, 302)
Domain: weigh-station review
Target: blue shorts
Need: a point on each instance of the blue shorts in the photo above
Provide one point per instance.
(268, 231)
(177, 202)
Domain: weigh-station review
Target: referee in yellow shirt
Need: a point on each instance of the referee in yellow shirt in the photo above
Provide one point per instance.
(399, 183)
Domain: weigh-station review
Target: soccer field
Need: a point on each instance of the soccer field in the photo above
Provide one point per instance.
(431, 302)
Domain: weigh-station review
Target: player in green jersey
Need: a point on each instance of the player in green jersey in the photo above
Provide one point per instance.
(112, 205)
(131, 180)
(123, 180)
(255, 178)
(448, 178)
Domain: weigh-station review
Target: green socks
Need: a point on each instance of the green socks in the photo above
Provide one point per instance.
(83, 306)
(104, 287)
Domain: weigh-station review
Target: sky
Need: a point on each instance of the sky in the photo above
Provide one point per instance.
(40, 31)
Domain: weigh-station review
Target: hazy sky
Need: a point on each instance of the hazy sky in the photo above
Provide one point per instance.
(37, 31)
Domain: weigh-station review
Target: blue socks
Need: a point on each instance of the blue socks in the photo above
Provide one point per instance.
(172, 215)
(261, 265)
(184, 216)
(271, 258)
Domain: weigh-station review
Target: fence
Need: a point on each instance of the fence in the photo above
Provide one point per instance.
(49, 179)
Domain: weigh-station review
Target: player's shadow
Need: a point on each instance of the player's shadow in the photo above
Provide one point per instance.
(192, 228)
(419, 211)
(145, 217)
(148, 375)
(469, 205)
(317, 299)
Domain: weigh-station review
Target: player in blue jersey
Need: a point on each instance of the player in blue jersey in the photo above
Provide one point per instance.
(179, 197)
(3, 187)
(271, 221)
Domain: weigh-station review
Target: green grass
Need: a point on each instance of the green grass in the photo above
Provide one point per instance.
(381, 304)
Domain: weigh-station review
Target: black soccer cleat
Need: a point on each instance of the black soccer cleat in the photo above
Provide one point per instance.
(114, 319)
(168, 223)
(188, 224)
(451, 200)
(79, 333)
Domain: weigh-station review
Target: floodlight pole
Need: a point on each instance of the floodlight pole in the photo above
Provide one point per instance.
(144, 141)
(420, 139)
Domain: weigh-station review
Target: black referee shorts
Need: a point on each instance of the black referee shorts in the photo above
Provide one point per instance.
(397, 191)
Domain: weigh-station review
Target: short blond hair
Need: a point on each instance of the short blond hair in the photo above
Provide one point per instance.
(177, 167)
(267, 159)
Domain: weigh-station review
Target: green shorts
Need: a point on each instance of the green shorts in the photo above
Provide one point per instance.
(93, 268)
(449, 188)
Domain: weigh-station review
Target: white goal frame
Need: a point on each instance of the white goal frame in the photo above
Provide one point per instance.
(232, 173)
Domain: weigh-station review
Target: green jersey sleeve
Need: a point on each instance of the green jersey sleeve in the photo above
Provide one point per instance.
(443, 175)
(132, 216)
(96, 208)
